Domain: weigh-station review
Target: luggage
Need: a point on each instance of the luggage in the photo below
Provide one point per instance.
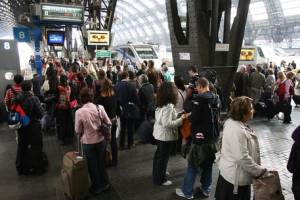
(296, 99)
(268, 188)
(74, 175)
(271, 109)
(145, 131)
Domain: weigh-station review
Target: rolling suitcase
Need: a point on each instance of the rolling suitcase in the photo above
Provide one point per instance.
(74, 175)
(296, 99)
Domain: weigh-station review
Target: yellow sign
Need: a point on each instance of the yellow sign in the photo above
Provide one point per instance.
(100, 38)
(247, 54)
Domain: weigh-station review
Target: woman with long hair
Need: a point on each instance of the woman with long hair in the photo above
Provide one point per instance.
(165, 130)
(108, 100)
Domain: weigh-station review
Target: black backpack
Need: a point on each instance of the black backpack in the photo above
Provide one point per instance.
(207, 130)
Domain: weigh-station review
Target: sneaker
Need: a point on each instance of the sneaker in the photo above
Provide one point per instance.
(167, 183)
(180, 193)
(205, 194)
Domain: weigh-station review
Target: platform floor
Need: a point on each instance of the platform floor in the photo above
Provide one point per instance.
(131, 180)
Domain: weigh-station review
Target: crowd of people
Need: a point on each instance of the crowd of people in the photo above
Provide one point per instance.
(82, 99)
(270, 87)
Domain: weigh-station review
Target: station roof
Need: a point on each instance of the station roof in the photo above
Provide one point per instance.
(146, 21)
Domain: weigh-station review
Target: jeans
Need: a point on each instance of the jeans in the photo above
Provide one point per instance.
(127, 128)
(190, 177)
(95, 155)
(160, 162)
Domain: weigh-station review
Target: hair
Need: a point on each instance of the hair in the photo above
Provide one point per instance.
(143, 79)
(86, 95)
(89, 81)
(80, 77)
(118, 67)
(131, 75)
(281, 76)
(107, 88)
(259, 68)
(166, 94)
(270, 71)
(193, 69)
(240, 107)
(179, 82)
(203, 82)
(124, 75)
(63, 80)
(290, 75)
(18, 79)
(26, 86)
(101, 74)
(151, 64)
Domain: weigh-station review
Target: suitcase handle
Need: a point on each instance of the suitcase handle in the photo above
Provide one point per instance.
(79, 146)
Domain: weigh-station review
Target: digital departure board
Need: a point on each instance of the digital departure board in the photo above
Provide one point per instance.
(62, 13)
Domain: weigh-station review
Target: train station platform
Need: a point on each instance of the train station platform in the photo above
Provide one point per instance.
(132, 178)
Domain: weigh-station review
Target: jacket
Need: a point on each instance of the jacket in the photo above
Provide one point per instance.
(126, 93)
(146, 96)
(166, 123)
(201, 118)
(257, 80)
(240, 155)
(294, 160)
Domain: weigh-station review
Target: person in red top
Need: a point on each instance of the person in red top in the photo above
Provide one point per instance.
(63, 112)
(16, 88)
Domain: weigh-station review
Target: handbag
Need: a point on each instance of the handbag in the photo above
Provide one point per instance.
(104, 128)
(186, 128)
(131, 111)
(268, 188)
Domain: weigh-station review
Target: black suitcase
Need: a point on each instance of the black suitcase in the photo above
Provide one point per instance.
(271, 109)
(145, 131)
(296, 99)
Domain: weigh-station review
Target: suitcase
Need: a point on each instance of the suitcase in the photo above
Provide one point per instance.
(271, 109)
(74, 175)
(145, 131)
(296, 99)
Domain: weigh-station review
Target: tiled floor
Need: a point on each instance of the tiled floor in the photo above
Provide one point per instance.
(132, 179)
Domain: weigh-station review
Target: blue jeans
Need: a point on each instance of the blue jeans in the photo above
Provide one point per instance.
(95, 156)
(190, 177)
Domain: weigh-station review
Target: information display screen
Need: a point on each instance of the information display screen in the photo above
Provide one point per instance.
(247, 54)
(145, 52)
(62, 13)
(56, 38)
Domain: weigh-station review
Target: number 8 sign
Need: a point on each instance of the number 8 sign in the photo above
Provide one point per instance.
(21, 34)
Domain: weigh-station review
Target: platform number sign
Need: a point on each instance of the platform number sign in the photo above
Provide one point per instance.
(21, 34)
(6, 46)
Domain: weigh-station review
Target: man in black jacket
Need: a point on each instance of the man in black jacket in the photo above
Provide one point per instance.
(205, 132)
(111, 75)
(146, 95)
(128, 99)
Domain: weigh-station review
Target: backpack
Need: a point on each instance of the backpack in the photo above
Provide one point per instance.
(63, 101)
(208, 131)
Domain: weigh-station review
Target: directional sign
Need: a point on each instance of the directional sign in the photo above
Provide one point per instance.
(21, 34)
(103, 54)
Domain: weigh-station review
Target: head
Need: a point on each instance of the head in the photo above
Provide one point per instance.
(164, 68)
(151, 64)
(270, 72)
(131, 75)
(290, 75)
(26, 86)
(241, 109)
(86, 95)
(258, 68)
(242, 69)
(118, 67)
(192, 70)
(124, 75)
(63, 80)
(18, 79)
(281, 76)
(143, 79)
(289, 69)
(101, 74)
(109, 67)
(166, 94)
(179, 82)
(107, 87)
(202, 85)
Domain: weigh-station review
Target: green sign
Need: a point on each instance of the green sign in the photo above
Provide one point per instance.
(103, 54)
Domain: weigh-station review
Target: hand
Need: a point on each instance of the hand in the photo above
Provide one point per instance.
(185, 115)
(108, 138)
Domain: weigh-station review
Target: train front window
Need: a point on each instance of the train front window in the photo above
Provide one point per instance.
(146, 52)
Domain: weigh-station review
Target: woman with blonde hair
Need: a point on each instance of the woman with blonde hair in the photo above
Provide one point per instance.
(284, 91)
